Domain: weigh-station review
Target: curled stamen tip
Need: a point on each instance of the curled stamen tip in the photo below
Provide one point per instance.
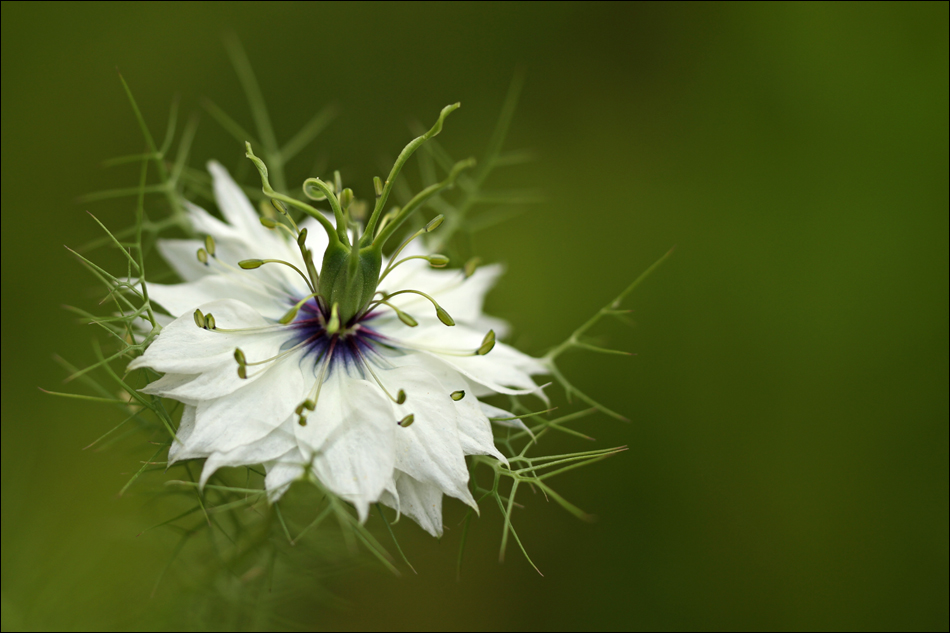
(444, 316)
(302, 238)
(488, 343)
(457, 395)
(251, 264)
(407, 421)
(401, 397)
(199, 319)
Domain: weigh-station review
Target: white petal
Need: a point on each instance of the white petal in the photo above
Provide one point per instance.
(430, 449)
(250, 413)
(184, 348)
(474, 429)
(272, 446)
(234, 205)
(495, 412)
(182, 299)
(350, 436)
(184, 431)
(282, 472)
(420, 502)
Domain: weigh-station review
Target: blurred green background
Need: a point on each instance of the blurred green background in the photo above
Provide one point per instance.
(788, 462)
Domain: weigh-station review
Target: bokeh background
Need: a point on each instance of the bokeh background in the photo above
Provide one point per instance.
(788, 462)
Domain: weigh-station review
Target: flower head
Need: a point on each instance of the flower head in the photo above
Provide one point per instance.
(364, 375)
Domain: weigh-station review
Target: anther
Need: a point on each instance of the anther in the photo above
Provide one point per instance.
(401, 397)
(302, 238)
(438, 261)
(471, 265)
(444, 316)
(209, 321)
(209, 245)
(457, 395)
(251, 264)
(434, 223)
(242, 372)
(239, 356)
(406, 318)
(268, 223)
(378, 186)
(199, 319)
(203, 256)
(488, 343)
(407, 421)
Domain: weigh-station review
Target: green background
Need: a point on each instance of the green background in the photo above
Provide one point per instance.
(788, 462)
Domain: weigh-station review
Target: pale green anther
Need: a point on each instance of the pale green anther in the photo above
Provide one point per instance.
(333, 325)
(471, 265)
(267, 210)
(209, 245)
(434, 223)
(458, 395)
(239, 356)
(302, 421)
(337, 182)
(251, 264)
(406, 318)
(242, 372)
(299, 410)
(199, 319)
(444, 316)
(302, 238)
(310, 405)
(401, 397)
(209, 321)
(203, 256)
(378, 186)
(289, 316)
(438, 261)
(488, 343)
(407, 421)
(268, 223)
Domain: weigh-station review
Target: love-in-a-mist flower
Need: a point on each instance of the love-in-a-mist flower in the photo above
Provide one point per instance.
(364, 376)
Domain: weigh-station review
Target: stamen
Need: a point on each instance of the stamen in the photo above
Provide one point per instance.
(209, 321)
(488, 343)
(400, 395)
(292, 313)
(311, 403)
(436, 261)
(199, 319)
(209, 245)
(407, 421)
(333, 325)
(470, 266)
(251, 264)
(428, 228)
(457, 395)
(405, 318)
(203, 256)
(440, 312)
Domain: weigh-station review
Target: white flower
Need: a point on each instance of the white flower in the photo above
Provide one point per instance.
(374, 409)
